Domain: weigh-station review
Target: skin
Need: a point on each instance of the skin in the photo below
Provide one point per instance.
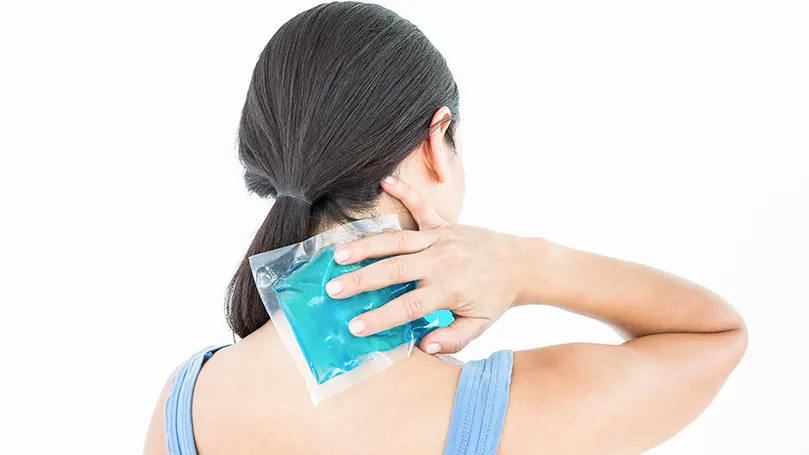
(682, 342)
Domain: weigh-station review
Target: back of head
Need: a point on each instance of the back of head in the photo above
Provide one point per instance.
(339, 98)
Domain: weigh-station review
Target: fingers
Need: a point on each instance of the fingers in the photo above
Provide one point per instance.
(453, 338)
(424, 214)
(403, 309)
(395, 270)
(385, 244)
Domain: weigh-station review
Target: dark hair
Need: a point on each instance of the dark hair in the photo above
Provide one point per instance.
(340, 96)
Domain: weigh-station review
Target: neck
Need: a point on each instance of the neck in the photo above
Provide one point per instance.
(386, 205)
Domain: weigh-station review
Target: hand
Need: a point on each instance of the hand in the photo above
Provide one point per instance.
(473, 272)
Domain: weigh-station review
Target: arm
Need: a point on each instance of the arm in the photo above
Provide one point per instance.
(586, 398)
(580, 398)
(636, 299)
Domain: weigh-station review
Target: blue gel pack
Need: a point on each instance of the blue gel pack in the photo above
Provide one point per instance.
(320, 323)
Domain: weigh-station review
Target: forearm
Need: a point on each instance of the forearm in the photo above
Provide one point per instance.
(636, 299)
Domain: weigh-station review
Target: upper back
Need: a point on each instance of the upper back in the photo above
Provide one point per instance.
(249, 398)
(577, 398)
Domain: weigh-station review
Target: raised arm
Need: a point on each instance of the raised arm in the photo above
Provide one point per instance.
(580, 398)
(585, 398)
(635, 299)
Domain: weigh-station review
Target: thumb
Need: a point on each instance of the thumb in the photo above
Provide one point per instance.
(453, 338)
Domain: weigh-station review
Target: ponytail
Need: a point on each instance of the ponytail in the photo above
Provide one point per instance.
(289, 221)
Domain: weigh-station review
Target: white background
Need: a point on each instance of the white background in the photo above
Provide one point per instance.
(669, 133)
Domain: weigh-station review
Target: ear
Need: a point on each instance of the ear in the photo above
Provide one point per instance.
(436, 153)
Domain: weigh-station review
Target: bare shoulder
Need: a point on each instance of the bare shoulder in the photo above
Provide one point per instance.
(156, 434)
(561, 397)
(584, 398)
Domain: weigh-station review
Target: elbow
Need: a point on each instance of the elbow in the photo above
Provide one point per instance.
(735, 342)
(729, 351)
(740, 336)
(740, 342)
(732, 330)
(733, 327)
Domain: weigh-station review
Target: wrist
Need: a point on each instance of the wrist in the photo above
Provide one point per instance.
(532, 255)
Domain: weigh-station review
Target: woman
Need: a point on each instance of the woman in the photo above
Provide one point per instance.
(343, 96)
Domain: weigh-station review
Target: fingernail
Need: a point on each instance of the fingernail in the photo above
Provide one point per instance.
(433, 348)
(342, 254)
(390, 180)
(334, 287)
(356, 326)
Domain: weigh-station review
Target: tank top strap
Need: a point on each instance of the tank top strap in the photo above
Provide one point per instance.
(477, 415)
(178, 425)
(480, 406)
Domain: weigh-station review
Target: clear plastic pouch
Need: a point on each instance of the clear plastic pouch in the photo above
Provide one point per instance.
(314, 327)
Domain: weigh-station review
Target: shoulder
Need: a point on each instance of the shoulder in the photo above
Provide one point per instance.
(559, 393)
(156, 434)
(481, 401)
(620, 396)
(189, 369)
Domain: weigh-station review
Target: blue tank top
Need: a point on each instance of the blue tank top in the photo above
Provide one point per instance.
(477, 414)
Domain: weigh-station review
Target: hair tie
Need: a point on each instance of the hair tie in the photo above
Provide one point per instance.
(293, 196)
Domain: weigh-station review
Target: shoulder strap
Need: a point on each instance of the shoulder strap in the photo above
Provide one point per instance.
(480, 406)
(179, 429)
